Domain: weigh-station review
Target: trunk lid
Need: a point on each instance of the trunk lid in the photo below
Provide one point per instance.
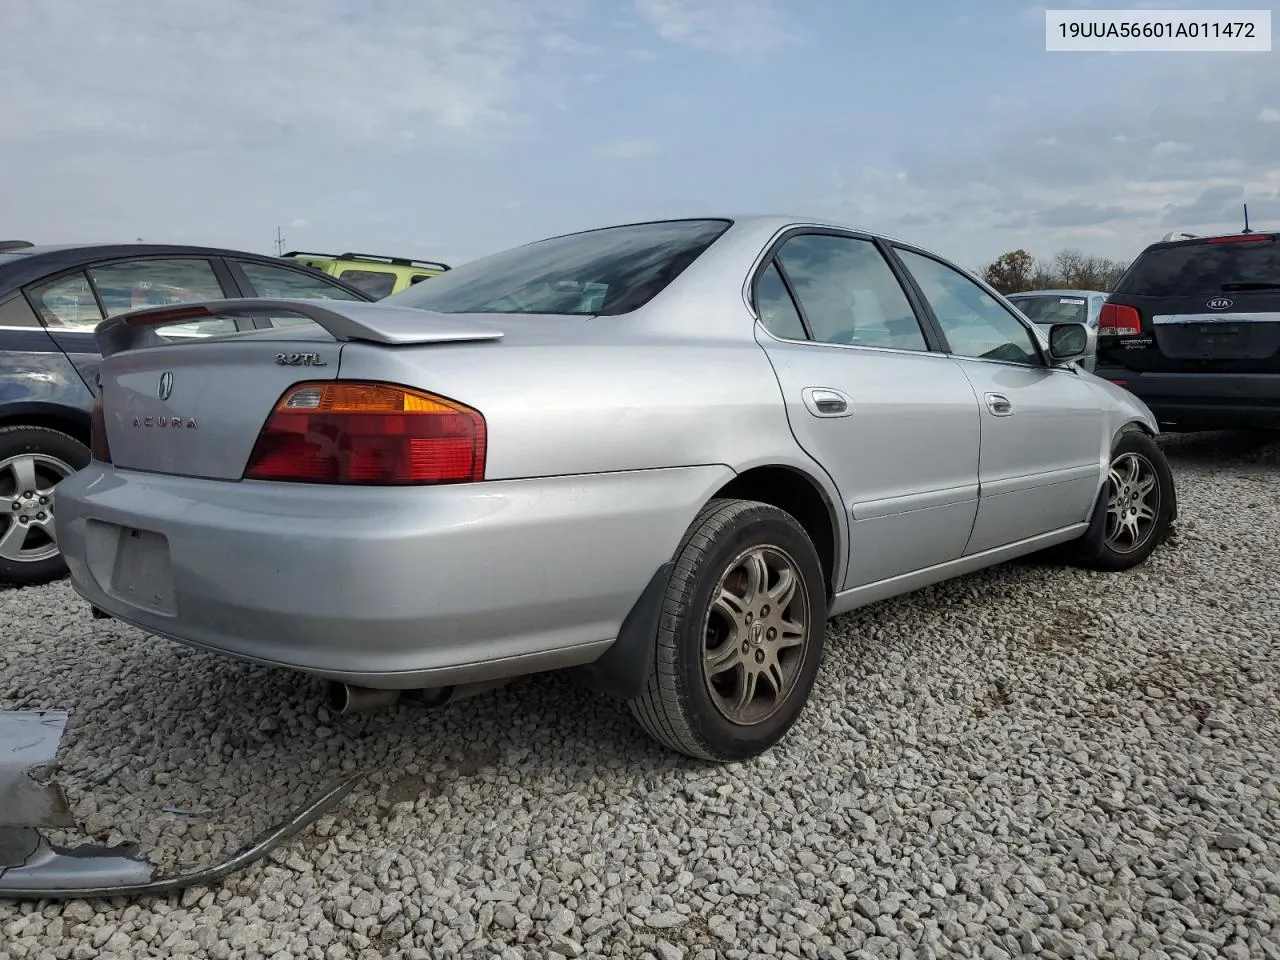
(196, 407)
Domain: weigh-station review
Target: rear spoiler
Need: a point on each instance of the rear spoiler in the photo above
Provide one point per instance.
(342, 319)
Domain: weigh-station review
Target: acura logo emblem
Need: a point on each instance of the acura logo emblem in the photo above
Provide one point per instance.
(1219, 303)
(166, 385)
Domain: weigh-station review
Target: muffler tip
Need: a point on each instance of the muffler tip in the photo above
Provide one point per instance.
(342, 698)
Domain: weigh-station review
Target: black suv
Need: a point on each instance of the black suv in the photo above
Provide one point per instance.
(51, 299)
(1193, 328)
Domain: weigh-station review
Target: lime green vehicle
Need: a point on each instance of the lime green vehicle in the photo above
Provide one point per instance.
(375, 275)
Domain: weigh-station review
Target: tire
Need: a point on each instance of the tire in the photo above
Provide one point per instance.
(1115, 550)
(691, 713)
(52, 455)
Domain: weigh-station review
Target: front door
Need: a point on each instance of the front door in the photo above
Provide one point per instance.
(1043, 445)
(894, 423)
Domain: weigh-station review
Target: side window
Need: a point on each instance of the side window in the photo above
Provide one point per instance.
(16, 312)
(269, 280)
(975, 324)
(67, 302)
(376, 283)
(138, 284)
(778, 313)
(848, 293)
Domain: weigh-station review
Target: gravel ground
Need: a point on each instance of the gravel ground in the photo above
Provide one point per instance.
(1025, 762)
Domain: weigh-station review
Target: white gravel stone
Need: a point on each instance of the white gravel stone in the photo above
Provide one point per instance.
(1029, 761)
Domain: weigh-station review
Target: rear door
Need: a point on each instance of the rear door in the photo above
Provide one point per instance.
(71, 304)
(894, 423)
(1203, 306)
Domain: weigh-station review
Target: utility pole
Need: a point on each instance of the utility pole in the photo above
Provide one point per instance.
(279, 242)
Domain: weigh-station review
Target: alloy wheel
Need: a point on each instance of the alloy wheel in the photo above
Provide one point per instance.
(26, 506)
(1133, 502)
(755, 633)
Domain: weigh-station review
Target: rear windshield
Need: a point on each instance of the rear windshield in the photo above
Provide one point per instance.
(599, 272)
(1058, 308)
(1203, 269)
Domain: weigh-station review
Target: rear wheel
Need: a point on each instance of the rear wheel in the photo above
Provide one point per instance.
(1138, 504)
(741, 634)
(33, 460)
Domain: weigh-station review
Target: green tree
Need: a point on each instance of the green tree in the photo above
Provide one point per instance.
(1010, 272)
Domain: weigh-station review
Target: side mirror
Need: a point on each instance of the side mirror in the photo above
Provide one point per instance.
(1068, 341)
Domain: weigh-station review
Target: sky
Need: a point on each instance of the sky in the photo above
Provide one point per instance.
(447, 130)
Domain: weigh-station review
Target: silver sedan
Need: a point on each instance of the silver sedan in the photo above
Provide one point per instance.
(658, 455)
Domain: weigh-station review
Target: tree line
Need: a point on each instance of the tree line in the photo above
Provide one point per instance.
(1017, 270)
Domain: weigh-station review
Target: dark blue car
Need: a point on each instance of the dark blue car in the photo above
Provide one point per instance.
(51, 298)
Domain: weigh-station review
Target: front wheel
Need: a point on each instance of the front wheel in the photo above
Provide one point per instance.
(1138, 505)
(741, 634)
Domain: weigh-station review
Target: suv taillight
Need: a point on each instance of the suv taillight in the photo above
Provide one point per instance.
(1119, 321)
(99, 449)
(369, 433)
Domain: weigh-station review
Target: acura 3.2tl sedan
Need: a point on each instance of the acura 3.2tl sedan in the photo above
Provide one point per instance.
(658, 455)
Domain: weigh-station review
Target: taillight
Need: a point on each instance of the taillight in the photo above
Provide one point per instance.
(1119, 321)
(99, 449)
(369, 433)
(1242, 238)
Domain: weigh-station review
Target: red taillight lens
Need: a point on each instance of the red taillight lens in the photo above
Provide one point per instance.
(1119, 321)
(369, 433)
(1242, 238)
(98, 446)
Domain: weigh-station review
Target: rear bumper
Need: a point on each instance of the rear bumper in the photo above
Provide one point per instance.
(396, 588)
(1204, 401)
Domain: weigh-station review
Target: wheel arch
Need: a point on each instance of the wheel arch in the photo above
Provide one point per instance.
(73, 422)
(623, 670)
(801, 496)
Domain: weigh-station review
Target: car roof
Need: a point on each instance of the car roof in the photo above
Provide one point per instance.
(1059, 293)
(1201, 240)
(27, 264)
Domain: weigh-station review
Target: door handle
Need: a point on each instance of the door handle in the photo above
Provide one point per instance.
(999, 405)
(826, 402)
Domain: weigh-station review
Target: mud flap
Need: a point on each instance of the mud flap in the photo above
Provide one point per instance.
(31, 868)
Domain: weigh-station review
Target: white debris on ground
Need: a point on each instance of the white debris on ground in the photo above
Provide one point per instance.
(1033, 761)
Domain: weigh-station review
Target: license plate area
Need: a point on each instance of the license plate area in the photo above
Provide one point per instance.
(1213, 339)
(142, 573)
(1217, 337)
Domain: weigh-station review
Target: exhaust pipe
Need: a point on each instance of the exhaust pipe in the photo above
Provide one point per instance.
(345, 699)
(439, 696)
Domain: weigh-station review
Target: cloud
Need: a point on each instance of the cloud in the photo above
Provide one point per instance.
(1269, 115)
(1156, 147)
(1167, 148)
(1222, 205)
(726, 26)
(1078, 215)
(199, 75)
(629, 150)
